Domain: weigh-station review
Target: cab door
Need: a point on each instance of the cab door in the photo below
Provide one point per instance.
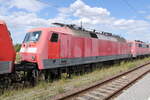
(54, 46)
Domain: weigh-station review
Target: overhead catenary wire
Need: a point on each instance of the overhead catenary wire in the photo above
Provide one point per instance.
(130, 6)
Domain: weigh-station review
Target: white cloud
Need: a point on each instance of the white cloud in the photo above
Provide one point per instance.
(92, 17)
(142, 12)
(86, 10)
(148, 17)
(20, 22)
(28, 5)
(82, 11)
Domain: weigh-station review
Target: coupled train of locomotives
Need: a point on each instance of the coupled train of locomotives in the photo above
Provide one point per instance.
(65, 46)
(68, 45)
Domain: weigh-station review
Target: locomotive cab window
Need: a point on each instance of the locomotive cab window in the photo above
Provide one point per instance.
(140, 45)
(54, 37)
(147, 46)
(32, 36)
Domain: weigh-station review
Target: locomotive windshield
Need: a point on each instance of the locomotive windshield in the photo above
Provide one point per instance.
(32, 36)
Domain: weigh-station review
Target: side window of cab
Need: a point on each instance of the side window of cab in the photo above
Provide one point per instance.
(140, 45)
(54, 37)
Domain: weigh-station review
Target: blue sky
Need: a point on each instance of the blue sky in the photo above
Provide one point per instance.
(128, 18)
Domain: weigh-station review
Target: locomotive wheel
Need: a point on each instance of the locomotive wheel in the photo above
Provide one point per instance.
(41, 76)
(69, 71)
(1, 86)
(48, 75)
(34, 78)
(5, 82)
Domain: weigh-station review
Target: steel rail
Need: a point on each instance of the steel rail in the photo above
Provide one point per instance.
(91, 87)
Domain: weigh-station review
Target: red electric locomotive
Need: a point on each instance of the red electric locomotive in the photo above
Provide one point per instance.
(7, 52)
(139, 48)
(68, 45)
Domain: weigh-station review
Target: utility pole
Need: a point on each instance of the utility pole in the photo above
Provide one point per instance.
(81, 24)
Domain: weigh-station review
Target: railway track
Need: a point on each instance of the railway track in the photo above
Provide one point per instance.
(107, 89)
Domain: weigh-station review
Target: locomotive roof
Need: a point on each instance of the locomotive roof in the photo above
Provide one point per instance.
(84, 33)
(92, 34)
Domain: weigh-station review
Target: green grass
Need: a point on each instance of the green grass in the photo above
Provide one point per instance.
(46, 90)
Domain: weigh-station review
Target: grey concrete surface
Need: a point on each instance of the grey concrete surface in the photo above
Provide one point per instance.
(139, 91)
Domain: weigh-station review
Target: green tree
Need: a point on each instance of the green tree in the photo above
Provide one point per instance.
(17, 47)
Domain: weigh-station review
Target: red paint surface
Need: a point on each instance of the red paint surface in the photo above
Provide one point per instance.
(7, 52)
